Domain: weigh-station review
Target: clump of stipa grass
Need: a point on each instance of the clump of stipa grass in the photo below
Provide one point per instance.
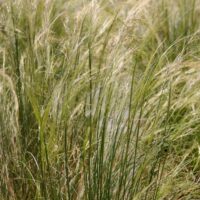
(100, 100)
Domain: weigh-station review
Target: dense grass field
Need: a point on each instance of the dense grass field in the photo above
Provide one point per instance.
(100, 99)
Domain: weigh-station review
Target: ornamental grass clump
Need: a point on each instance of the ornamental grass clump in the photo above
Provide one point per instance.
(99, 99)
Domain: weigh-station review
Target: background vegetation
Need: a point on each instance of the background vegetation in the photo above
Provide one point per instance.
(100, 99)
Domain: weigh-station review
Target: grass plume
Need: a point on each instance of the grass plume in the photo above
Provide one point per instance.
(99, 99)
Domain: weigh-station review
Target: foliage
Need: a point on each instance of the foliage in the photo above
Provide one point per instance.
(99, 99)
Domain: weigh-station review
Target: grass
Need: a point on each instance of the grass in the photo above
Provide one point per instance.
(99, 99)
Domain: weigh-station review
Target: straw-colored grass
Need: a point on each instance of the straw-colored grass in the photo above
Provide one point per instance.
(99, 99)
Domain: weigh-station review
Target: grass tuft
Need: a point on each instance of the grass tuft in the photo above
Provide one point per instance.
(99, 99)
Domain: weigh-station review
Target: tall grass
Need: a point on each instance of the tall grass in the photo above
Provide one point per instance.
(99, 99)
